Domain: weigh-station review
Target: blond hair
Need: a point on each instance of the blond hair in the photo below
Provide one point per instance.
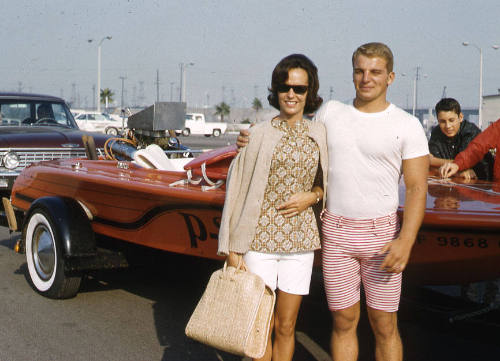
(375, 50)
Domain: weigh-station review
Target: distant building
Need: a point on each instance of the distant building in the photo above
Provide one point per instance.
(491, 109)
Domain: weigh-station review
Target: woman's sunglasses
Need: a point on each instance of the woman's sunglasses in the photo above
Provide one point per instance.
(297, 89)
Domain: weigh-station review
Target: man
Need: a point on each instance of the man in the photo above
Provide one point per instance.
(478, 148)
(370, 142)
(451, 136)
(475, 151)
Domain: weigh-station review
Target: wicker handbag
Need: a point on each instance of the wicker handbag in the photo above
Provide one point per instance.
(234, 313)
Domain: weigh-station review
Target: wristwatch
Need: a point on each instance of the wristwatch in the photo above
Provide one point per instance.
(318, 198)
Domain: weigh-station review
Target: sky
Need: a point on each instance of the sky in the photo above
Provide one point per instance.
(235, 44)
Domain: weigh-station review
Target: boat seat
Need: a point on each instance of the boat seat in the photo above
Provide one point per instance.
(212, 167)
(153, 157)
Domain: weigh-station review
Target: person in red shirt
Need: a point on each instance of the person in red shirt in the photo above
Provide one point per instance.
(475, 151)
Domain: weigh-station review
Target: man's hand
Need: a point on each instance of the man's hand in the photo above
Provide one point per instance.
(468, 174)
(415, 172)
(243, 138)
(398, 253)
(296, 204)
(447, 170)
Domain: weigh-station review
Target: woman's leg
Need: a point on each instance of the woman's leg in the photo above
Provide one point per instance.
(285, 317)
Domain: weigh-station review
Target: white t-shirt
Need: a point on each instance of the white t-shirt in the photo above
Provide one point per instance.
(365, 157)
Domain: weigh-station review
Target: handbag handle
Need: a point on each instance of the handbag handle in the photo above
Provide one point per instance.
(238, 267)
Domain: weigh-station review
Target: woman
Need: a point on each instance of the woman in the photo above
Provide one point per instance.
(272, 185)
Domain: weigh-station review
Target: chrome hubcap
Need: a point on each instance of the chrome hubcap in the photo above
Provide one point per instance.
(43, 252)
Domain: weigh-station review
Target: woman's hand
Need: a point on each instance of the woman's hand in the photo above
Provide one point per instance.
(448, 169)
(234, 259)
(297, 203)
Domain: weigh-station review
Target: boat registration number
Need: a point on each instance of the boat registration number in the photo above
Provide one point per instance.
(455, 241)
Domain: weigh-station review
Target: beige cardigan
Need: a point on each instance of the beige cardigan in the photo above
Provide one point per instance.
(247, 180)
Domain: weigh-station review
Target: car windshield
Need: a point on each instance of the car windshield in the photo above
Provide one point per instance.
(35, 113)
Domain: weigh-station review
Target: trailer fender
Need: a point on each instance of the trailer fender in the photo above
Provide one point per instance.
(71, 225)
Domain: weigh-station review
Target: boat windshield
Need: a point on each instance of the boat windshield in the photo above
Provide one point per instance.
(33, 113)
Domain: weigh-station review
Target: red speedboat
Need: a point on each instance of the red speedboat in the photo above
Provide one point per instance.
(65, 207)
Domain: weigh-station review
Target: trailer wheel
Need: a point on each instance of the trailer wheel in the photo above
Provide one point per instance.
(216, 132)
(45, 259)
(186, 132)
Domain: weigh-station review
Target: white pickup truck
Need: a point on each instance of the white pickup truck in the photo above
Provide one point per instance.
(196, 124)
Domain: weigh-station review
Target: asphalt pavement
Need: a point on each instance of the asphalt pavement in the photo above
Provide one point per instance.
(140, 314)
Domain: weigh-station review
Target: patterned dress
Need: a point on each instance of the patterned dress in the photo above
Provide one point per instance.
(293, 169)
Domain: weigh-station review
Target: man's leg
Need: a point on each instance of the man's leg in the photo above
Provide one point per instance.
(388, 346)
(344, 342)
(383, 291)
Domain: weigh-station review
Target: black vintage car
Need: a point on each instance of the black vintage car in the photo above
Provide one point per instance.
(34, 128)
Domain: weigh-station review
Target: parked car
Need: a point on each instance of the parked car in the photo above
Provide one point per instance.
(99, 122)
(76, 112)
(33, 128)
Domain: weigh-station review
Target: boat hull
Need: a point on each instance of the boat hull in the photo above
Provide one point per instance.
(457, 244)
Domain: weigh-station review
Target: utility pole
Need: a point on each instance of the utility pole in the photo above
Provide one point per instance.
(123, 87)
(141, 93)
(93, 97)
(73, 94)
(415, 90)
(331, 93)
(171, 91)
(444, 93)
(157, 83)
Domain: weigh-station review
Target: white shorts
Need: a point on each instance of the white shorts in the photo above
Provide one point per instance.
(290, 272)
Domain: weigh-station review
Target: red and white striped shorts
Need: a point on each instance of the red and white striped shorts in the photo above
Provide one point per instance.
(349, 252)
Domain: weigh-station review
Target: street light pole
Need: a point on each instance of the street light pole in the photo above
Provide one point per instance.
(98, 96)
(415, 91)
(182, 93)
(480, 110)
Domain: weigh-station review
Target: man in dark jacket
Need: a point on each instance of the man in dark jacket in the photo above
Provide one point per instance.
(452, 135)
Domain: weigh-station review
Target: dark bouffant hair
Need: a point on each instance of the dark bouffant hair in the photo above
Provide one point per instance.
(280, 76)
(448, 105)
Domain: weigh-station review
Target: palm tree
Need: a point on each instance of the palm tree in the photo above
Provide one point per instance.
(107, 96)
(256, 105)
(222, 109)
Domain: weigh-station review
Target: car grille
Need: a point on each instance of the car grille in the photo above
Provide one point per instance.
(27, 158)
(30, 156)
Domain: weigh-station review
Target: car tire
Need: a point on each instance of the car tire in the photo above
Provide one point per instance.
(112, 131)
(45, 259)
(216, 132)
(186, 132)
